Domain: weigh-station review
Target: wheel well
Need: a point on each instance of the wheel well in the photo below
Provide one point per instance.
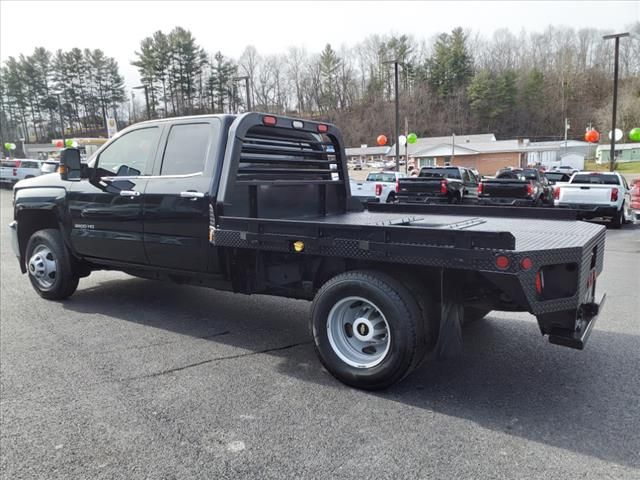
(29, 222)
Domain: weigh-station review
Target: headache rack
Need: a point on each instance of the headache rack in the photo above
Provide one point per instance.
(279, 167)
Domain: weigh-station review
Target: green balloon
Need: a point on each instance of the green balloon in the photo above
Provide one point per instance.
(412, 138)
(68, 143)
(634, 134)
(7, 146)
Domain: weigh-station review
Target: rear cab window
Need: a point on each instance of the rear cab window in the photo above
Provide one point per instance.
(595, 179)
(440, 173)
(187, 148)
(381, 177)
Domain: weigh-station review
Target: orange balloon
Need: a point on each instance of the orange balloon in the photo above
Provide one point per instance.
(592, 136)
(382, 140)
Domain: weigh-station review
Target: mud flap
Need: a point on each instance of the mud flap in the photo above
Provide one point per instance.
(451, 318)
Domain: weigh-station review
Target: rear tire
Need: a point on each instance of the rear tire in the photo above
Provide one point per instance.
(49, 265)
(367, 329)
(618, 220)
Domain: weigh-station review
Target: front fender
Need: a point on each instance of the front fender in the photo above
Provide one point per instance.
(38, 208)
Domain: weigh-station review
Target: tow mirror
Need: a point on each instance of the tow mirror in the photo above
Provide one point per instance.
(70, 164)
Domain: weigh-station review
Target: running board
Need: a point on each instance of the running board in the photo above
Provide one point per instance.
(578, 338)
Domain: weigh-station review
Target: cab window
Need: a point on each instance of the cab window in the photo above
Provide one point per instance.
(131, 154)
(186, 150)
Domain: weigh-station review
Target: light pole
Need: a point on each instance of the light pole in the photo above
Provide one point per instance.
(616, 37)
(397, 132)
(246, 88)
(146, 98)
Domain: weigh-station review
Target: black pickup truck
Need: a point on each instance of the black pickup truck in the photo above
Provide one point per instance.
(439, 185)
(261, 204)
(516, 187)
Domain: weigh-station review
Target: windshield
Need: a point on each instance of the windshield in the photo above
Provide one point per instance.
(440, 173)
(596, 178)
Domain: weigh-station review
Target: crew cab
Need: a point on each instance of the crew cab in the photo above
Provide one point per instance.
(261, 204)
(596, 195)
(439, 185)
(14, 170)
(516, 187)
(378, 187)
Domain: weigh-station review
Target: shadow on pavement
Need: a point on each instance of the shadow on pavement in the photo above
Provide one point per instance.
(508, 378)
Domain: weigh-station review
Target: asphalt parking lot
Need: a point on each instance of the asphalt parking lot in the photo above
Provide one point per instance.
(137, 379)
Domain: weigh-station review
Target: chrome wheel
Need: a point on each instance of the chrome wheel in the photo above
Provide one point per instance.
(43, 267)
(358, 332)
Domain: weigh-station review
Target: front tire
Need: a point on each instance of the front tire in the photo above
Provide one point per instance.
(49, 265)
(367, 329)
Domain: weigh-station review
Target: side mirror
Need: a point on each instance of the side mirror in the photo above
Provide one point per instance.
(70, 164)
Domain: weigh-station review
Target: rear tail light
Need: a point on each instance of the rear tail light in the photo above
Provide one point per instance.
(269, 120)
(539, 283)
(530, 189)
(15, 172)
(556, 193)
(502, 262)
(397, 186)
(378, 189)
(614, 194)
(443, 186)
(18, 163)
(526, 263)
(480, 188)
(322, 128)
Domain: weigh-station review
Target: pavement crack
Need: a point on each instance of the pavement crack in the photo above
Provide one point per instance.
(214, 360)
(159, 344)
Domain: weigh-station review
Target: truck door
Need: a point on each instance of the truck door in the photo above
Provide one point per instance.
(176, 199)
(106, 210)
(470, 184)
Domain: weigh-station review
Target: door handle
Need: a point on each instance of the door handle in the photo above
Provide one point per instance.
(191, 194)
(129, 193)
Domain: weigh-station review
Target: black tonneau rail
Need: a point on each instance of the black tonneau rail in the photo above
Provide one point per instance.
(475, 210)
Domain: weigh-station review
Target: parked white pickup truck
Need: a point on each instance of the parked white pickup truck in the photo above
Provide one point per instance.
(596, 195)
(378, 187)
(12, 170)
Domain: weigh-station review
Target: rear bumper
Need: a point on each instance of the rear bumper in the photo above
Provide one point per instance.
(422, 199)
(578, 338)
(587, 211)
(511, 202)
(366, 200)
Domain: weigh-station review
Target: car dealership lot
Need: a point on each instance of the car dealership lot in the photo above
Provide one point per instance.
(132, 378)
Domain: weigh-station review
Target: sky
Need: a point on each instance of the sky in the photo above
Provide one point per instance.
(117, 27)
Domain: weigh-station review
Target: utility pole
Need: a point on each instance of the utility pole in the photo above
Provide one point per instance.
(616, 37)
(453, 148)
(246, 89)
(397, 129)
(566, 129)
(146, 98)
(406, 145)
(61, 119)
